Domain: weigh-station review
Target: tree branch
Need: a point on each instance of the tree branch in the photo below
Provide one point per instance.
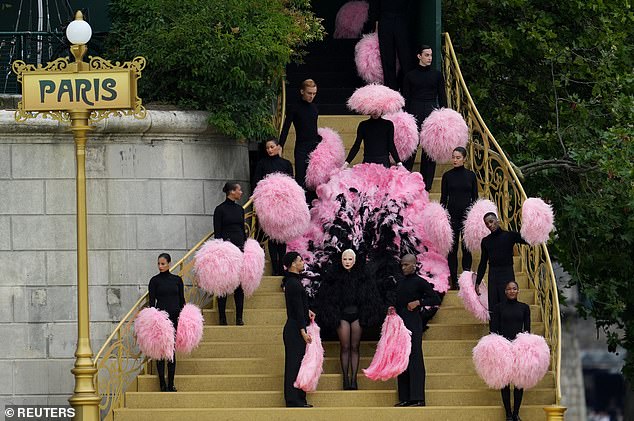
(548, 164)
(561, 141)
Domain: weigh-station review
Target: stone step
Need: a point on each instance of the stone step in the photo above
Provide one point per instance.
(270, 382)
(359, 398)
(458, 315)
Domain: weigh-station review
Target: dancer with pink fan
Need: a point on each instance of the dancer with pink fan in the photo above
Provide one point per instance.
(167, 293)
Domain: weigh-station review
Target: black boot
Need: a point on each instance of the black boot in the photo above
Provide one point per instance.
(222, 315)
(353, 383)
(171, 371)
(160, 370)
(346, 382)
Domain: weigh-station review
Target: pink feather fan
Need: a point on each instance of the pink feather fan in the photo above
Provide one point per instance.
(376, 99)
(392, 352)
(252, 267)
(438, 227)
(537, 221)
(405, 133)
(367, 57)
(350, 19)
(276, 195)
(155, 334)
(327, 158)
(218, 264)
(442, 132)
(532, 359)
(493, 360)
(190, 329)
(474, 228)
(471, 301)
(313, 361)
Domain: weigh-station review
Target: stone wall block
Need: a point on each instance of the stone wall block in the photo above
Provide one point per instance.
(22, 197)
(213, 195)
(5, 229)
(218, 161)
(161, 232)
(197, 228)
(24, 340)
(6, 385)
(56, 160)
(22, 268)
(61, 268)
(133, 267)
(111, 232)
(44, 232)
(60, 196)
(134, 197)
(160, 160)
(5, 161)
(183, 197)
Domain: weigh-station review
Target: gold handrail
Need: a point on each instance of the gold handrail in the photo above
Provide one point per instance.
(499, 181)
(119, 361)
(280, 112)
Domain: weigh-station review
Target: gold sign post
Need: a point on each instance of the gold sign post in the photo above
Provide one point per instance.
(81, 93)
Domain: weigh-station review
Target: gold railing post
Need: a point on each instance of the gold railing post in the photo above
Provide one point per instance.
(555, 413)
(85, 399)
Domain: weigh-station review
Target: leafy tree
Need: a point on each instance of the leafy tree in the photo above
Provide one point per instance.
(554, 82)
(223, 56)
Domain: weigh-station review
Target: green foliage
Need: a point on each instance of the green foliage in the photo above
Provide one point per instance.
(554, 82)
(223, 56)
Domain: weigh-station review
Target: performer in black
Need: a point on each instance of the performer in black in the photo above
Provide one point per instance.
(229, 226)
(424, 90)
(273, 163)
(497, 252)
(377, 135)
(391, 20)
(304, 116)
(508, 318)
(348, 300)
(459, 190)
(412, 293)
(295, 336)
(167, 293)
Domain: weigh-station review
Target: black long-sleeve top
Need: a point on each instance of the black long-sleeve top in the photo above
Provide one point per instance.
(271, 164)
(459, 189)
(304, 116)
(167, 293)
(497, 250)
(377, 135)
(296, 300)
(414, 288)
(383, 8)
(424, 84)
(229, 223)
(510, 317)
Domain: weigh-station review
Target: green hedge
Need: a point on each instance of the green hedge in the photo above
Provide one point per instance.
(222, 56)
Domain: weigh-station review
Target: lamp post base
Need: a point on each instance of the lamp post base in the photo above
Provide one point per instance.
(555, 412)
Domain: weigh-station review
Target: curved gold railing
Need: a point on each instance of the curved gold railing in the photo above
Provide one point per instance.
(119, 360)
(280, 107)
(500, 183)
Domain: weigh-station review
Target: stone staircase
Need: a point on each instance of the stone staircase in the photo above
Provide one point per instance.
(237, 371)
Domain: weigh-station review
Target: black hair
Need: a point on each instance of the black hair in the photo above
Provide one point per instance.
(512, 281)
(289, 258)
(486, 215)
(462, 151)
(423, 47)
(230, 186)
(274, 140)
(165, 256)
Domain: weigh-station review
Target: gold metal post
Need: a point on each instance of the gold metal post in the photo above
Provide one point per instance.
(555, 413)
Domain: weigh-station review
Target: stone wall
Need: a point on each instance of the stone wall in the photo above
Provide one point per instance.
(152, 187)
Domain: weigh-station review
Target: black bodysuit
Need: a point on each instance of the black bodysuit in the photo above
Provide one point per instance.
(229, 223)
(377, 135)
(510, 317)
(272, 164)
(167, 293)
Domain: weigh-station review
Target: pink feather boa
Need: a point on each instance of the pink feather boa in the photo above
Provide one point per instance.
(218, 264)
(493, 360)
(350, 19)
(327, 158)
(392, 351)
(405, 133)
(367, 57)
(313, 361)
(252, 267)
(190, 329)
(472, 302)
(376, 99)
(442, 132)
(537, 221)
(438, 227)
(155, 334)
(474, 229)
(276, 195)
(532, 359)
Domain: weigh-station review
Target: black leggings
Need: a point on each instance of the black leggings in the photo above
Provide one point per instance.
(452, 257)
(277, 252)
(517, 400)
(350, 340)
(238, 298)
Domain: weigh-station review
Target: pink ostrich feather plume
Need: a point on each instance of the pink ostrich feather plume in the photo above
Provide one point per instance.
(392, 351)
(350, 20)
(493, 360)
(367, 57)
(470, 299)
(327, 158)
(252, 267)
(474, 229)
(190, 329)
(442, 132)
(405, 133)
(313, 361)
(532, 359)
(437, 266)
(276, 195)
(537, 221)
(376, 99)
(218, 264)
(438, 227)
(155, 334)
